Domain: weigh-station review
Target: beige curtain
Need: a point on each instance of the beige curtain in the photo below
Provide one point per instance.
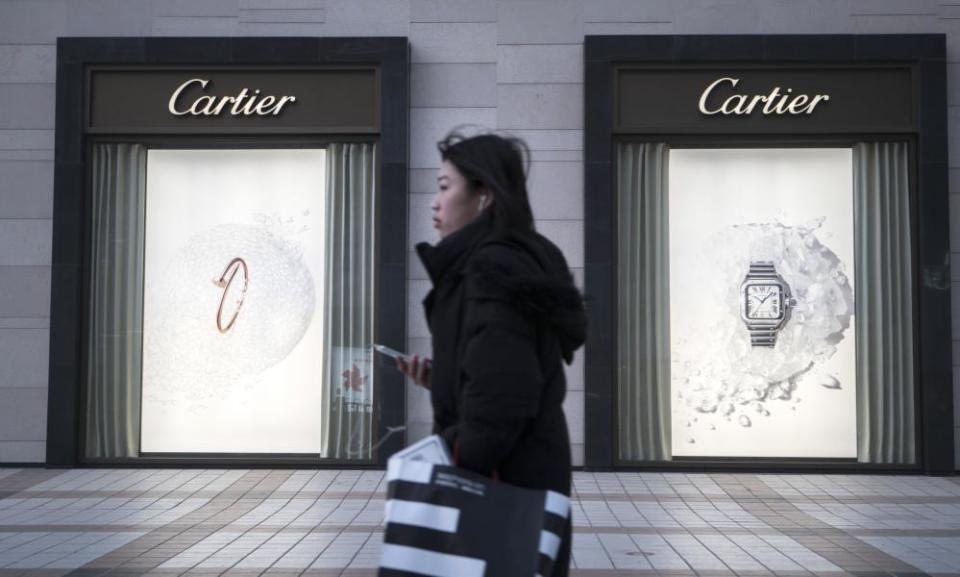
(884, 304)
(348, 302)
(643, 295)
(114, 353)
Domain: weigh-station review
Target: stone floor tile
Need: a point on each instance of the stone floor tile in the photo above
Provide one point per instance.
(245, 523)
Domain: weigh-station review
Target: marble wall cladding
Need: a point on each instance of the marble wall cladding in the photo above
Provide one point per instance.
(511, 65)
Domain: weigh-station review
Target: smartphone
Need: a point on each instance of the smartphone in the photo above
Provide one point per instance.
(393, 353)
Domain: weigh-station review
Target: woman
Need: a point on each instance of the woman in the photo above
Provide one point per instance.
(504, 315)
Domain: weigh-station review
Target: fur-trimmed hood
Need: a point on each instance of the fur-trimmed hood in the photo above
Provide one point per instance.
(526, 270)
(530, 272)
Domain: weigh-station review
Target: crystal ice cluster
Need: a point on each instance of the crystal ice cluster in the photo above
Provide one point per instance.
(188, 356)
(721, 374)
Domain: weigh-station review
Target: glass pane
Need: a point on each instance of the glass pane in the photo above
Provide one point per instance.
(762, 329)
(233, 317)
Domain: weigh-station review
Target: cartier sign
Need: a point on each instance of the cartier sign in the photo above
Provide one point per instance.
(244, 102)
(718, 98)
(713, 98)
(234, 100)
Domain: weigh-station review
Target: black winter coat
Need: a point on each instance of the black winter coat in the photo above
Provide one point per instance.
(504, 314)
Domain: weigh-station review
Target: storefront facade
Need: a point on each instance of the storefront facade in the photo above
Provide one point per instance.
(280, 163)
(522, 67)
(761, 232)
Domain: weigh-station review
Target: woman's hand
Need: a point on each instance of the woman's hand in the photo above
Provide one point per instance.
(416, 368)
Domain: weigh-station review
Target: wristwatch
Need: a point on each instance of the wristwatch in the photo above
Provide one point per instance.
(765, 303)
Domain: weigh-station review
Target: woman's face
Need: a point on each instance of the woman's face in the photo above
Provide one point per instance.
(453, 206)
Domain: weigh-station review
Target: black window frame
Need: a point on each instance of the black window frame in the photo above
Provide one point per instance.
(70, 269)
(925, 54)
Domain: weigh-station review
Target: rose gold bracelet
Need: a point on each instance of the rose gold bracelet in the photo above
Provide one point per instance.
(224, 283)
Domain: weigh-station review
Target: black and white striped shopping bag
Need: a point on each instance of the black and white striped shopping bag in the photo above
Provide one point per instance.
(447, 522)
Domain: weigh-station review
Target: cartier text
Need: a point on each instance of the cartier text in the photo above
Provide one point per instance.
(185, 101)
(720, 98)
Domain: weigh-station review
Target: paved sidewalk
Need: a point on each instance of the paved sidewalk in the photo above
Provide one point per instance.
(89, 522)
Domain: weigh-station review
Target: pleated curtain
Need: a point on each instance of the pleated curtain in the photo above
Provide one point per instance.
(114, 355)
(349, 300)
(643, 303)
(884, 304)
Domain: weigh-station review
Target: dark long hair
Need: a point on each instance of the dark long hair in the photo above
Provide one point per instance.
(495, 163)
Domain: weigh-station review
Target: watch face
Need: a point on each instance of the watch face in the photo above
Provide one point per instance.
(764, 301)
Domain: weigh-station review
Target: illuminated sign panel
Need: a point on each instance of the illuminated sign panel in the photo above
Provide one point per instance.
(233, 301)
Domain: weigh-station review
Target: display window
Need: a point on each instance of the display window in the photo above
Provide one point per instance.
(768, 309)
(775, 233)
(751, 259)
(232, 273)
(229, 361)
(226, 271)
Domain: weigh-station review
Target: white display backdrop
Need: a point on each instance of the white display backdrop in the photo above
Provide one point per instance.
(792, 207)
(253, 386)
